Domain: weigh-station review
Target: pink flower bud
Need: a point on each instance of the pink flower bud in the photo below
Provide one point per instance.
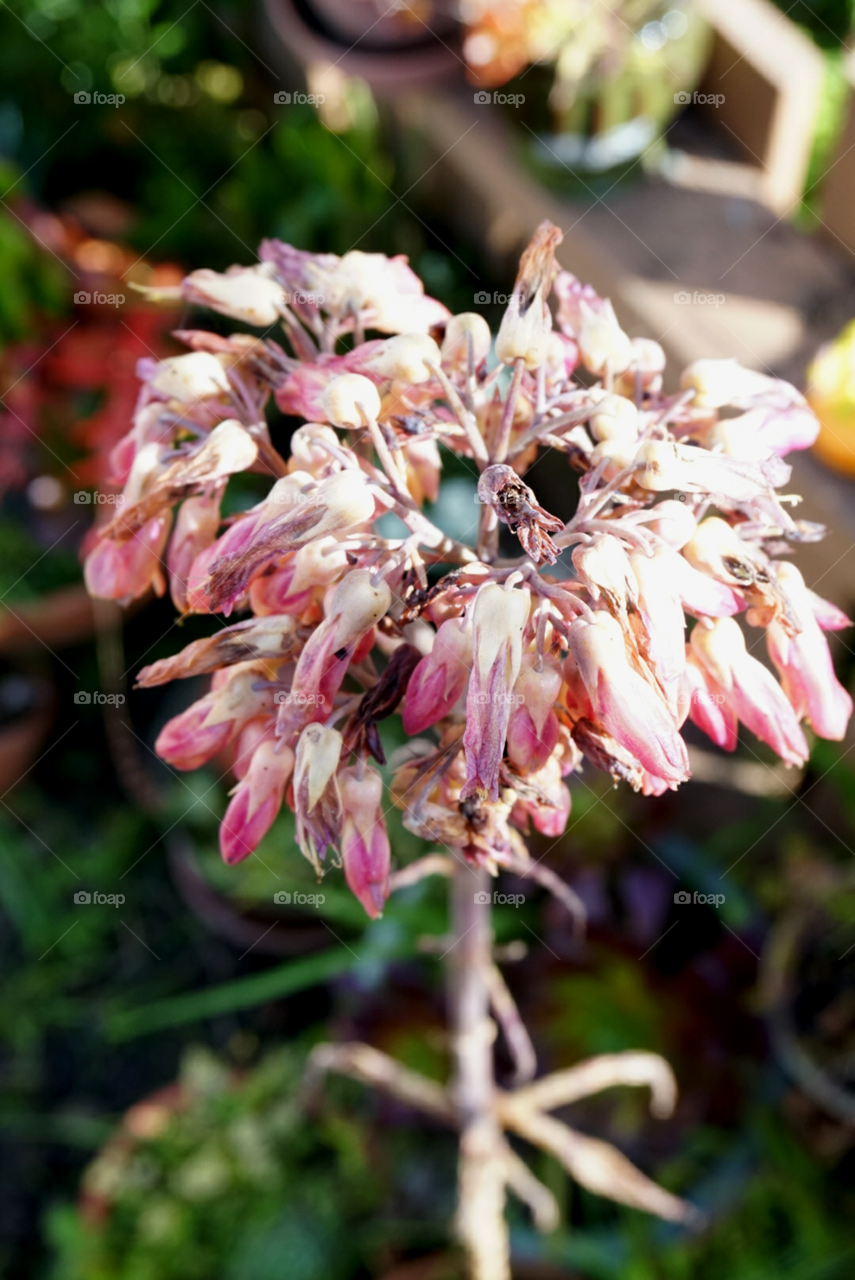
(356, 605)
(804, 662)
(364, 843)
(660, 609)
(309, 452)
(195, 530)
(604, 567)
(190, 378)
(439, 679)
(302, 392)
(403, 357)
(623, 702)
(615, 418)
(499, 620)
(602, 342)
(125, 570)
(317, 799)
(255, 801)
(461, 332)
(724, 382)
(673, 521)
(764, 431)
(423, 469)
(245, 293)
(527, 323)
(349, 399)
(546, 801)
(248, 740)
(707, 704)
(753, 693)
(533, 728)
(192, 738)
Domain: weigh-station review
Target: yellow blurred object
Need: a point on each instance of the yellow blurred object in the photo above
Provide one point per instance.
(831, 395)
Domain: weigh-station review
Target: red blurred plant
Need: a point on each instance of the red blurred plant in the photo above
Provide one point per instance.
(508, 676)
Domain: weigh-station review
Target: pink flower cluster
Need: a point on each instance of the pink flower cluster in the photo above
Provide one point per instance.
(508, 675)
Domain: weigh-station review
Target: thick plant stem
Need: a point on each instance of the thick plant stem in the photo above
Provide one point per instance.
(481, 1225)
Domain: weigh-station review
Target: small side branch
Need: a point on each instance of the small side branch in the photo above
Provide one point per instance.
(361, 1062)
(512, 1025)
(603, 1072)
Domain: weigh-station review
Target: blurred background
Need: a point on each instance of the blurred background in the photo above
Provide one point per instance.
(158, 1006)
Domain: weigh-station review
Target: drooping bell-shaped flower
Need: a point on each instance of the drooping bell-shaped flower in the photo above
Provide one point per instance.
(662, 637)
(303, 576)
(604, 566)
(403, 358)
(466, 332)
(623, 702)
(365, 848)
(527, 322)
(752, 691)
(195, 529)
(124, 571)
(499, 620)
(440, 678)
(533, 728)
(192, 738)
(340, 502)
(245, 293)
(707, 705)
(545, 798)
(255, 801)
(804, 662)
(317, 798)
(356, 604)
(188, 378)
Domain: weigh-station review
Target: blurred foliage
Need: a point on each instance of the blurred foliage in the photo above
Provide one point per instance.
(236, 1181)
(26, 571)
(33, 283)
(828, 21)
(233, 1177)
